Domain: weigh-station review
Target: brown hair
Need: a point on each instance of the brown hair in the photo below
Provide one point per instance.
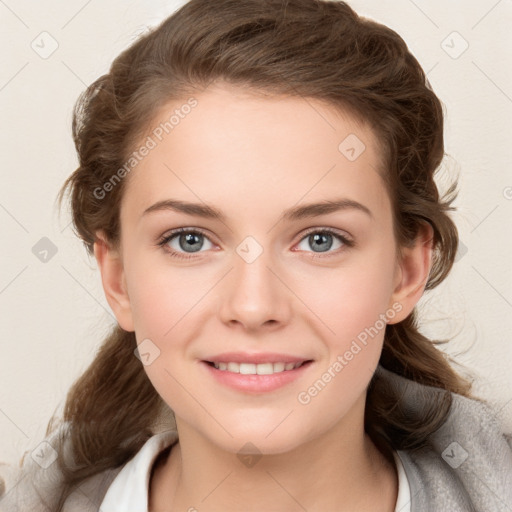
(311, 48)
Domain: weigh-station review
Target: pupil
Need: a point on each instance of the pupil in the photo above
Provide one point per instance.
(190, 239)
(321, 239)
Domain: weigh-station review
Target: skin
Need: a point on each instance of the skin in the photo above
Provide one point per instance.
(254, 156)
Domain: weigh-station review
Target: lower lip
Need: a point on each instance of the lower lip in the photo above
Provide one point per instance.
(256, 383)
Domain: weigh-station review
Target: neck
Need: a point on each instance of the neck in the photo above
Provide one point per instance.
(341, 471)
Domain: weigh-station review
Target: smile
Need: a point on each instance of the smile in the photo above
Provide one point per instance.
(256, 378)
(256, 369)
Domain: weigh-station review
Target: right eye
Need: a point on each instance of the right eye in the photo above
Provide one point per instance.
(182, 239)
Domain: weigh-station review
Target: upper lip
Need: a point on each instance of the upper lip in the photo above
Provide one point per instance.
(255, 358)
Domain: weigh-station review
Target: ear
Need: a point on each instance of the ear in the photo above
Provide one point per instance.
(412, 273)
(113, 279)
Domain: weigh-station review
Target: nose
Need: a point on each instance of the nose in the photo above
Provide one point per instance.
(254, 295)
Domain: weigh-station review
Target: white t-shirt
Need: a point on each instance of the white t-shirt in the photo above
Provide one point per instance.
(403, 501)
(129, 490)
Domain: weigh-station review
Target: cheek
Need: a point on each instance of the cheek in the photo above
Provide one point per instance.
(355, 313)
(163, 297)
(352, 298)
(352, 304)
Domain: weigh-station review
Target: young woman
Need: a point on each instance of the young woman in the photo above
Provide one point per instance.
(256, 183)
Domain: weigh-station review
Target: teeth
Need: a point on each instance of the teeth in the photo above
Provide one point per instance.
(248, 369)
(263, 369)
(234, 367)
(278, 367)
(256, 369)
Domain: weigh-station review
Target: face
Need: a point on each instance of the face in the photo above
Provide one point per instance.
(259, 285)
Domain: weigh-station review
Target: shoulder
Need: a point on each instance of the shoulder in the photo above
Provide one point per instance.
(31, 485)
(9, 476)
(90, 494)
(36, 483)
(466, 464)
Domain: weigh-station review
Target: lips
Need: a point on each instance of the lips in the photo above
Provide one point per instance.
(256, 372)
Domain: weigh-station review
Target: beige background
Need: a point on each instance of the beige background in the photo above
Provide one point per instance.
(54, 314)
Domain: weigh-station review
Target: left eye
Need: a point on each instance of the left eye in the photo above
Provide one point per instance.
(322, 239)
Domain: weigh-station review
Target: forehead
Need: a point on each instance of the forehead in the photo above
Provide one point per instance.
(237, 149)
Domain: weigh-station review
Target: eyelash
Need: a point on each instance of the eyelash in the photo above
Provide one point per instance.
(175, 254)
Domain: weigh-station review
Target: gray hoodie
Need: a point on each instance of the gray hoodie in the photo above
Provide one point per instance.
(466, 465)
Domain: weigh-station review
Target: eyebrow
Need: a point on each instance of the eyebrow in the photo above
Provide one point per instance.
(296, 213)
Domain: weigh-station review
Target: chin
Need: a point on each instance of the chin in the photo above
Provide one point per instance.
(255, 442)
